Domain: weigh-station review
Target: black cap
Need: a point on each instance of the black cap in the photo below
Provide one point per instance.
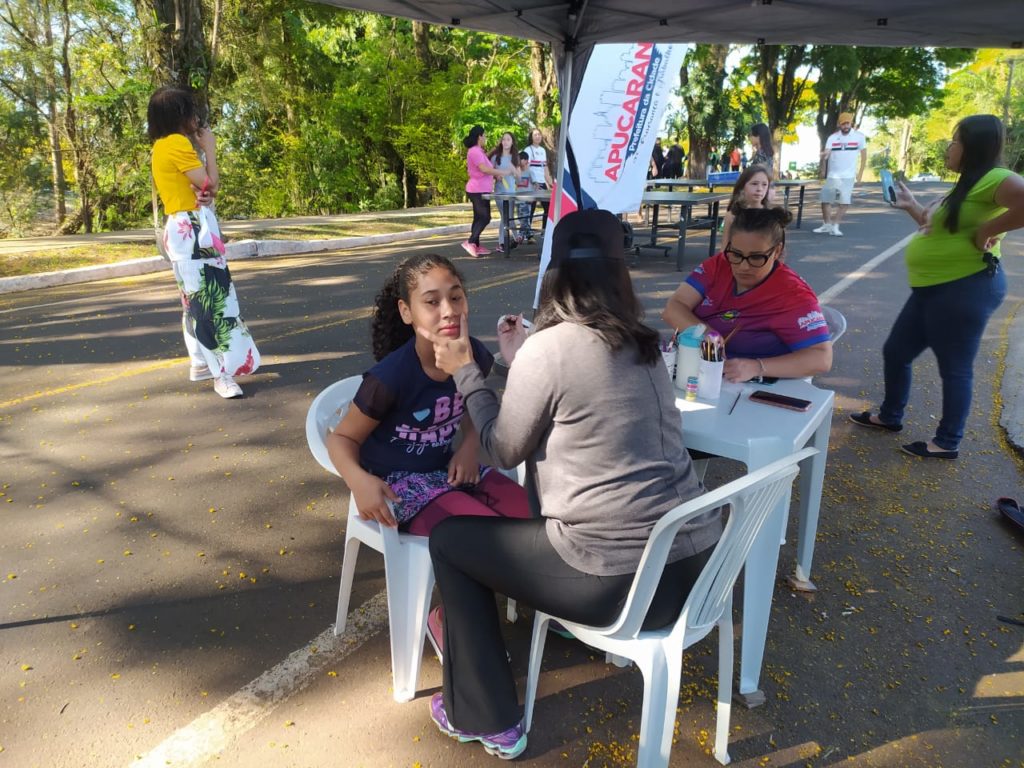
(591, 234)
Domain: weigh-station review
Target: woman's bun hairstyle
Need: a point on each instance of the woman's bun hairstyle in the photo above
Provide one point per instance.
(762, 219)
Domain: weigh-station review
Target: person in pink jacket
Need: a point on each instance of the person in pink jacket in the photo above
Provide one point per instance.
(481, 182)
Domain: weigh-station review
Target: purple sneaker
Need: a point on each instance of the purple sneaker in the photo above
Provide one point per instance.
(508, 745)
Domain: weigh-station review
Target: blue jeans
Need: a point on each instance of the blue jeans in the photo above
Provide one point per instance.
(950, 319)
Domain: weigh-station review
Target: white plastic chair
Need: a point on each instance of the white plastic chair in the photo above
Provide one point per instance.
(408, 572)
(659, 653)
(836, 322)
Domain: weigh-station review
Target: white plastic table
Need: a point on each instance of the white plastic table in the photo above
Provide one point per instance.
(758, 434)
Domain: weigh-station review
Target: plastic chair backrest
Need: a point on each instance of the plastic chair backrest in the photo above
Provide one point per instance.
(751, 499)
(324, 414)
(836, 322)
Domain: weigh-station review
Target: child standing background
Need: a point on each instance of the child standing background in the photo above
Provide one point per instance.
(505, 157)
(395, 442)
(524, 210)
(219, 345)
(752, 190)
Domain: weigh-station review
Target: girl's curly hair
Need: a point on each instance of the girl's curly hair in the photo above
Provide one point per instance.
(388, 330)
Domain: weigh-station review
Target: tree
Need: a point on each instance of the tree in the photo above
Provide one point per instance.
(777, 72)
(888, 82)
(176, 47)
(701, 78)
(28, 75)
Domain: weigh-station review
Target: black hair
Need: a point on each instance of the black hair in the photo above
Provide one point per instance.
(171, 110)
(523, 155)
(387, 329)
(737, 191)
(473, 136)
(764, 138)
(767, 221)
(588, 283)
(496, 153)
(981, 138)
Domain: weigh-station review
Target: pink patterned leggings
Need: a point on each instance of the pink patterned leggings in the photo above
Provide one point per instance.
(494, 496)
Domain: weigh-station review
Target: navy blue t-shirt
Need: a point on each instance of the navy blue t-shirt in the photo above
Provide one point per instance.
(418, 416)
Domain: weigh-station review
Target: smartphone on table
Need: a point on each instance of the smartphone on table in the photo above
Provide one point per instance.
(781, 401)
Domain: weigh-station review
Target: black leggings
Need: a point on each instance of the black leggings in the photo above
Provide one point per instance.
(543, 205)
(476, 557)
(481, 215)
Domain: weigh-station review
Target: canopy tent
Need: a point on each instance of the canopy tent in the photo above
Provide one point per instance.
(946, 23)
(574, 28)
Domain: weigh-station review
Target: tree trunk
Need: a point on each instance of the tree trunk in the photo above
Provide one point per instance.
(781, 91)
(177, 47)
(57, 167)
(53, 132)
(83, 171)
(544, 85)
(903, 159)
(421, 44)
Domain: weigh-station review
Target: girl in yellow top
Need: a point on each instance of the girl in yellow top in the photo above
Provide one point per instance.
(218, 343)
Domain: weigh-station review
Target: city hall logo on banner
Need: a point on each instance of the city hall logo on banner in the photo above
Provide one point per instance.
(626, 108)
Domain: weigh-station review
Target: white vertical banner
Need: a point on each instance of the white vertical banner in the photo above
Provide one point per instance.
(612, 128)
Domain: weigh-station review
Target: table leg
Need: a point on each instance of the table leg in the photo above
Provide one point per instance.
(758, 588)
(800, 206)
(714, 230)
(507, 224)
(654, 225)
(684, 224)
(812, 482)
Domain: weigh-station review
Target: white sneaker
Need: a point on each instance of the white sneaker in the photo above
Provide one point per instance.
(824, 229)
(199, 372)
(226, 387)
(835, 230)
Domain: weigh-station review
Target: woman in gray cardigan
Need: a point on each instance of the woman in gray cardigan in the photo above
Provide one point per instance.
(590, 408)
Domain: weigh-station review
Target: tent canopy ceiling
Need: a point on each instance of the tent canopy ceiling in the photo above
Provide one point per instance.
(940, 23)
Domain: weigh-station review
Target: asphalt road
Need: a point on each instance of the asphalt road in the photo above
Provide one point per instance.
(164, 548)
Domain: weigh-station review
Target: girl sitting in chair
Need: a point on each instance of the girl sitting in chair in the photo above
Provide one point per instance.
(395, 443)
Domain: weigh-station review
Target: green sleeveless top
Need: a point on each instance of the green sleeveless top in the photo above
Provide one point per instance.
(940, 256)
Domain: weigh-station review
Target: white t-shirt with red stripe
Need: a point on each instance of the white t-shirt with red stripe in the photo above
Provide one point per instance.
(844, 152)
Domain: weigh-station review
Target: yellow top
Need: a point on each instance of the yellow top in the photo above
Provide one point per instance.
(172, 156)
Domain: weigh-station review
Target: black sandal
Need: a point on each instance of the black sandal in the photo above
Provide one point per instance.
(864, 420)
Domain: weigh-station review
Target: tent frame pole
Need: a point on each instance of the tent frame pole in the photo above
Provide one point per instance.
(565, 91)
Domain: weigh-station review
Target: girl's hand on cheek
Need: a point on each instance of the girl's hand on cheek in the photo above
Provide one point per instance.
(450, 354)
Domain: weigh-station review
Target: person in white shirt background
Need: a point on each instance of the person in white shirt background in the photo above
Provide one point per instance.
(539, 173)
(842, 150)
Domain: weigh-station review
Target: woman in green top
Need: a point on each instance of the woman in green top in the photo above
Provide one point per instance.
(956, 282)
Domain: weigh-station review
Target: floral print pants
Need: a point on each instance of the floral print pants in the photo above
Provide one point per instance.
(215, 334)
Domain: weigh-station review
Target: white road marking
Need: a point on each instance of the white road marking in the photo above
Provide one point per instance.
(863, 271)
(212, 732)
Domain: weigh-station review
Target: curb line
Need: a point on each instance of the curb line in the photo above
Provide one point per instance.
(237, 249)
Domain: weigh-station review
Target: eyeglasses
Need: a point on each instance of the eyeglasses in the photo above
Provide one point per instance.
(755, 260)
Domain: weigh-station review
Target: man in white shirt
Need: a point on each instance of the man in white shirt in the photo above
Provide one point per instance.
(539, 173)
(841, 154)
